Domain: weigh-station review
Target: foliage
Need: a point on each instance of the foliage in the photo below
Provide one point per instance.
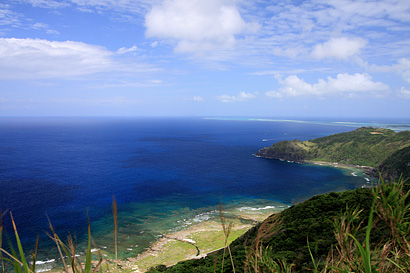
(338, 239)
(396, 165)
(365, 146)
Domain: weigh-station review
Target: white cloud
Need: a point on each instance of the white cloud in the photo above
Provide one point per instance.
(35, 58)
(404, 93)
(198, 98)
(8, 17)
(46, 3)
(140, 7)
(402, 68)
(343, 85)
(42, 26)
(339, 48)
(197, 26)
(124, 50)
(243, 96)
(274, 94)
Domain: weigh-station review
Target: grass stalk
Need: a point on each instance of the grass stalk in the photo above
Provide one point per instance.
(34, 255)
(60, 245)
(20, 247)
(87, 267)
(312, 258)
(227, 231)
(115, 214)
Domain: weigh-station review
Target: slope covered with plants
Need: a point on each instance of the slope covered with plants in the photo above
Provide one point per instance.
(365, 146)
(352, 231)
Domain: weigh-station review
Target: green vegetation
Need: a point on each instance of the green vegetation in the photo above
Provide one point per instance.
(326, 233)
(383, 149)
(397, 164)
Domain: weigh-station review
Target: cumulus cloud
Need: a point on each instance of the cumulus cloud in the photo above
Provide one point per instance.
(343, 85)
(196, 25)
(243, 96)
(339, 48)
(36, 58)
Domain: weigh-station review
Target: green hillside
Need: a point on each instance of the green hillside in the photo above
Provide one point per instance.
(365, 146)
(319, 221)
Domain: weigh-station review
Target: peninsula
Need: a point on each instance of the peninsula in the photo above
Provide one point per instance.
(379, 150)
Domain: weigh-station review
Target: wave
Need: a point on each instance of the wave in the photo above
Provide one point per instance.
(255, 209)
(45, 262)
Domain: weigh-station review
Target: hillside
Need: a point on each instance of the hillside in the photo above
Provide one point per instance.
(366, 146)
(284, 236)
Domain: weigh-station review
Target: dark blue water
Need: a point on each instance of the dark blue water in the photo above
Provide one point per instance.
(162, 167)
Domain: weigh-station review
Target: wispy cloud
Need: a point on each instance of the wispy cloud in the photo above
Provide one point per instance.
(8, 17)
(198, 98)
(404, 93)
(124, 50)
(46, 3)
(401, 67)
(42, 26)
(243, 96)
(39, 59)
(135, 6)
(36, 58)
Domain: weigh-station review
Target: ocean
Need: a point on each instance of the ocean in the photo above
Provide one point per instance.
(165, 173)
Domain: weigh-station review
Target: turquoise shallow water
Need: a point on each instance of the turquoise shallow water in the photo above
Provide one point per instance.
(165, 173)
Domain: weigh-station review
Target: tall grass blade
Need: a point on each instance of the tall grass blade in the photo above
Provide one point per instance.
(33, 266)
(311, 257)
(87, 267)
(97, 266)
(1, 240)
(20, 247)
(115, 214)
(402, 269)
(227, 231)
(59, 243)
(14, 259)
(365, 252)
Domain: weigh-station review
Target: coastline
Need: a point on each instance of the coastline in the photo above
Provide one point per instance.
(368, 170)
(369, 174)
(199, 238)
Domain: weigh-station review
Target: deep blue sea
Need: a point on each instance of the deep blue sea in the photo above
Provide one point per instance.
(163, 172)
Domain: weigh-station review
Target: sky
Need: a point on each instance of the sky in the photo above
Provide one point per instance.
(312, 58)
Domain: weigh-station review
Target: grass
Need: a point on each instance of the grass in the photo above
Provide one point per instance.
(208, 237)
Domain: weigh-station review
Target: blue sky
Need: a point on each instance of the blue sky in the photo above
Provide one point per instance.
(317, 58)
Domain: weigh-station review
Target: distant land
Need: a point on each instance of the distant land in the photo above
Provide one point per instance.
(376, 149)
